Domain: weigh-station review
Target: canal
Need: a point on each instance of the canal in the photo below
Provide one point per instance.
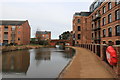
(35, 63)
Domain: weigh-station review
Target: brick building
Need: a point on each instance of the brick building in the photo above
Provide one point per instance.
(43, 35)
(101, 25)
(14, 32)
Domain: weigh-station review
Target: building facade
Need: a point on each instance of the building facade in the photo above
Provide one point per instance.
(14, 32)
(43, 35)
(101, 25)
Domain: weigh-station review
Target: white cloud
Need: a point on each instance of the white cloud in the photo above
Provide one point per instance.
(47, 0)
(56, 17)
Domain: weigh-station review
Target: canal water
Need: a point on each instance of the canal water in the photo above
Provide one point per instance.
(35, 63)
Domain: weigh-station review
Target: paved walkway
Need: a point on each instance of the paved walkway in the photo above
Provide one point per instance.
(85, 65)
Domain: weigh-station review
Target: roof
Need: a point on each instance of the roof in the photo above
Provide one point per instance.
(82, 13)
(43, 32)
(10, 22)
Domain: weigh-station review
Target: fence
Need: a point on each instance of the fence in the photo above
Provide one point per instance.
(100, 50)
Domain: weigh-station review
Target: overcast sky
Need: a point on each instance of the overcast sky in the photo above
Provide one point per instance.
(50, 15)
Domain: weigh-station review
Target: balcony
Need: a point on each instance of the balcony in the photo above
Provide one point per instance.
(98, 16)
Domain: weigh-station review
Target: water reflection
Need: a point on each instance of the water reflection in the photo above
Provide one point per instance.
(17, 62)
(68, 53)
(42, 54)
(35, 63)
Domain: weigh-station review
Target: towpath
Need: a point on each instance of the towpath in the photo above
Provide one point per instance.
(85, 64)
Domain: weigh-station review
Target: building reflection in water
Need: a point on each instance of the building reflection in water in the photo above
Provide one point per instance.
(41, 54)
(16, 62)
(68, 53)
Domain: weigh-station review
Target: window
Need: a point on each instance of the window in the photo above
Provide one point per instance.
(109, 18)
(92, 35)
(117, 42)
(18, 27)
(92, 17)
(109, 5)
(99, 34)
(43, 35)
(110, 43)
(92, 26)
(79, 36)
(104, 21)
(117, 14)
(104, 42)
(117, 2)
(47, 36)
(79, 28)
(104, 9)
(13, 28)
(78, 20)
(6, 27)
(98, 23)
(109, 32)
(104, 33)
(19, 39)
(18, 32)
(117, 30)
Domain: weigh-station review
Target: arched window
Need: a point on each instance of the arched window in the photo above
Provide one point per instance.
(79, 28)
(118, 42)
(109, 5)
(117, 30)
(117, 14)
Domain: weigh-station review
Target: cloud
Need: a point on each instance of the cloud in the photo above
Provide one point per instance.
(55, 17)
(47, 1)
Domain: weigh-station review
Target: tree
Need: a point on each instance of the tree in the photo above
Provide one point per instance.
(65, 35)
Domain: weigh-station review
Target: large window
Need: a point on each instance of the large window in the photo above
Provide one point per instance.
(104, 33)
(117, 30)
(109, 18)
(109, 5)
(79, 36)
(79, 28)
(117, 14)
(109, 32)
(104, 21)
(104, 9)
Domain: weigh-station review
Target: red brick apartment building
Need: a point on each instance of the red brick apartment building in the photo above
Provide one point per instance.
(43, 35)
(101, 25)
(14, 32)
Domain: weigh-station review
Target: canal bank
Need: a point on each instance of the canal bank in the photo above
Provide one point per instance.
(85, 64)
(15, 48)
